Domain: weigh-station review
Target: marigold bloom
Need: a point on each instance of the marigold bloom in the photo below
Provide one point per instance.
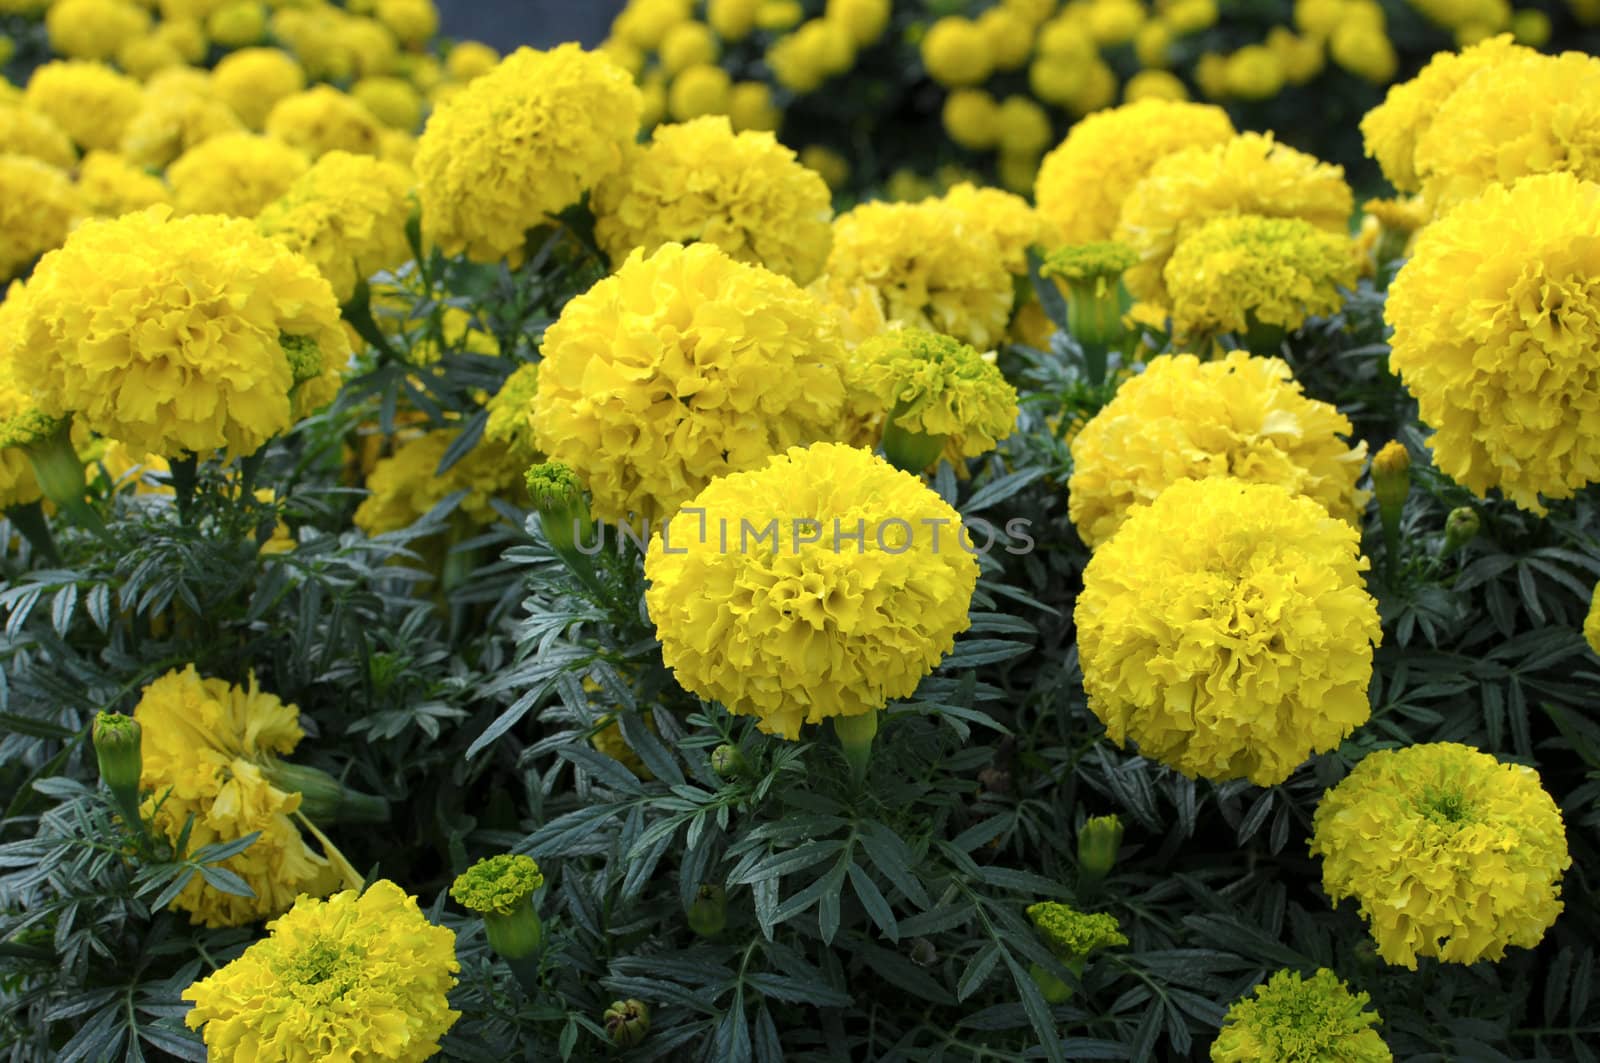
(1450, 853)
(93, 29)
(253, 80)
(511, 414)
(24, 131)
(1083, 182)
(323, 119)
(111, 186)
(38, 206)
(91, 102)
(18, 415)
(1226, 628)
(403, 487)
(802, 632)
(1073, 935)
(933, 385)
(519, 144)
(247, 342)
(743, 192)
(351, 978)
(1294, 1020)
(347, 215)
(170, 122)
(1184, 419)
(235, 174)
(679, 368)
(1495, 332)
(1236, 271)
(1013, 223)
(1250, 174)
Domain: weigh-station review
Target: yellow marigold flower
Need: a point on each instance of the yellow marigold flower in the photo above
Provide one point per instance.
(804, 59)
(1295, 1020)
(750, 108)
(1073, 935)
(1394, 128)
(1254, 73)
(1531, 26)
(469, 60)
(38, 206)
(1008, 35)
(354, 977)
(1237, 271)
(93, 29)
(111, 186)
(972, 119)
(169, 123)
(1226, 629)
(732, 19)
(1450, 853)
(744, 192)
(248, 342)
(18, 485)
(208, 749)
(1302, 57)
(124, 469)
(688, 44)
(935, 386)
(1529, 115)
(833, 167)
(1155, 85)
(1082, 183)
(1494, 333)
(802, 632)
(89, 101)
(753, 362)
(323, 119)
(237, 23)
(611, 741)
(1250, 174)
(391, 100)
(403, 487)
(779, 15)
(253, 80)
(1591, 622)
(519, 144)
(1184, 419)
(498, 885)
(700, 90)
(644, 23)
(1014, 225)
(511, 414)
(413, 22)
(1364, 51)
(956, 53)
(27, 132)
(1024, 127)
(235, 174)
(928, 265)
(865, 19)
(347, 216)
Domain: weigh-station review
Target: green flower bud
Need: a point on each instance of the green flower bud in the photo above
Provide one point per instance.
(563, 509)
(909, 450)
(1098, 841)
(1460, 528)
(500, 889)
(627, 1022)
(1096, 299)
(323, 798)
(727, 761)
(117, 742)
(709, 912)
(855, 740)
(48, 443)
(1054, 990)
(1391, 477)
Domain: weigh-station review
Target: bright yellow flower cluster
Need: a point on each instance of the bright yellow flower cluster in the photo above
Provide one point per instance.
(789, 629)
(253, 80)
(1184, 419)
(24, 131)
(323, 119)
(208, 747)
(1072, 934)
(179, 334)
(235, 174)
(1496, 322)
(936, 386)
(1009, 218)
(1236, 271)
(356, 977)
(743, 192)
(564, 115)
(38, 206)
(347, 215)
(171, 120)
(92, 103)
(679, 368)
(1291, 1019)
(112, 186)
(404, 486)
(926, 265)
(93, 29)
(1450, 853)
(1226, 629)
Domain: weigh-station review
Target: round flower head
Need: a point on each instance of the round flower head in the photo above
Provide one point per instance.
(235, 174)
(24, 131)
(936, 386)
(347, 215)
(519, 144)
(1591, 622)
(1226, 628)
(1450, 853)
(1496, 320)
(1393, 129)
(38, 206)
(93, 29)
(180, 334)
(511, 414)
(1239, 270)
(497, 885)
(927, 265)
(253, 80)
(1296, 1020)
(744, 192)
(1014, 224)
(207, 747)
(111, 186)
(679, 368)
(1072, 934)
(403, 487)
(170, 122)
(90, 101)
(790, 629)
(1184, 419)
(356, 977)
(1082, 183)
(1527, 114)
(323, 119)
(1250, 174)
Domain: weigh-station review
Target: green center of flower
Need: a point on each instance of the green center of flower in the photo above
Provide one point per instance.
(1445, 806)
(305, 357)
(329, 967)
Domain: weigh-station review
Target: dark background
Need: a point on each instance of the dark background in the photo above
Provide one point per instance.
(508, 23)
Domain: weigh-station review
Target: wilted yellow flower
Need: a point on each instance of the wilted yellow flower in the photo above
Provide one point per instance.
(1082, 183)
(93, 29)
(323, 119)
(1250, 174)
(111, 186)
(170, 122)
(932, 385)
(235, 174)
(38, 207)
(347, 216)
(89, 101)
(800, 632)
(751, 361)
(246, 343)
(1184, 419)
(519, 144)
(24, 131)
(1295, 1020)
(1450, 852)
(359, 977)
(1226, 629)
(253, 80)
(403, 487)
(743, 192)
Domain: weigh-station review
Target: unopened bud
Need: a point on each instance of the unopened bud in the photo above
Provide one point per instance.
(1099, 839)
(1391, 476)
(727, 761)
(1460, 528)
(709, 912)
(117, 750)
(563, 510)
(500, 889)
(909, 450)
(323, 798)
(627, 1022)
(855, 735)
